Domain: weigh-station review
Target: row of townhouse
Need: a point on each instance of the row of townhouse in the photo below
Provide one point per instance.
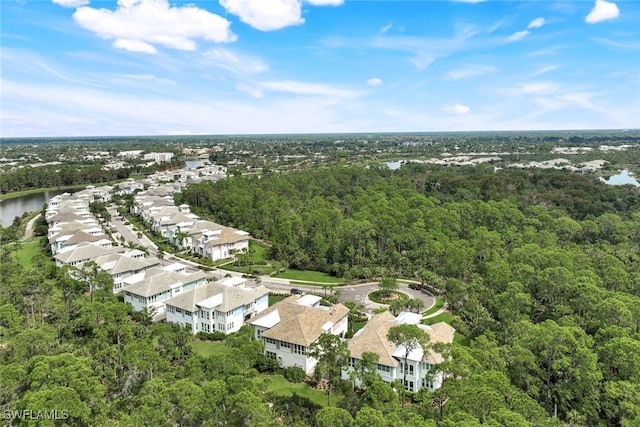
(171, 292)
(186, 230)
(176, 295)
(289, 327)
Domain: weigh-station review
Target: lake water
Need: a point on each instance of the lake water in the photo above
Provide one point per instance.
(11, 208)
(192, 164)
(624, 177)
(394, 165)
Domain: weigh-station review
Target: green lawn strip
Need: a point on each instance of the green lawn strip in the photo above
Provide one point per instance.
(376, 296)
(278, 385)
(264, 269)
(316, 284)
(442, 317)
(259, 255)
(437, 306)
(208, 348)
(458, 338)
(26, 251)
(274, 298)
(310, 276)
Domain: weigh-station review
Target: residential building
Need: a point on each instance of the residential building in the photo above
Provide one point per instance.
(220, 243)
(419, 365)
(82, 253)
(290, 326)
(221, 306)
(129, 265)
(158, 285)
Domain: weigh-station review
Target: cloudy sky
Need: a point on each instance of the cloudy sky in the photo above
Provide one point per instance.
(158, 67)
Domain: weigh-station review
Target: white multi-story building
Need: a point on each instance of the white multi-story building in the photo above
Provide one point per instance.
(158, 285)
(221, 306)
(158, 157)
(290, 326)
(419, 365)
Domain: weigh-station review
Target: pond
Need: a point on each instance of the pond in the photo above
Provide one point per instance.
(11, 208)
(394, 165)
(624, 177)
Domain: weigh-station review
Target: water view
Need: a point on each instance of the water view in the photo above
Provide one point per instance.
(11, 208)
(623, 178)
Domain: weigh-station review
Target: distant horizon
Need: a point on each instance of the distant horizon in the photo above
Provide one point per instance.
(248, 135)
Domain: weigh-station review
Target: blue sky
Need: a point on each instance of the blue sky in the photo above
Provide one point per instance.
(157, 67)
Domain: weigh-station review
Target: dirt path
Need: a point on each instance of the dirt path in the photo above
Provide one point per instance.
(28, 229)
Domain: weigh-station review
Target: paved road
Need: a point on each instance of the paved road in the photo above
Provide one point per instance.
(354, 293)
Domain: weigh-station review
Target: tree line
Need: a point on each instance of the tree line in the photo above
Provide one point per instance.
(540, 268)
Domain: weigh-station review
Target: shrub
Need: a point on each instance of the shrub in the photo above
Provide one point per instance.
(294, 374)
(211, 336)
(266, 364)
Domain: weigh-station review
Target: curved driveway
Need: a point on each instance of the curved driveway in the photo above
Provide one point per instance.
(353, 293)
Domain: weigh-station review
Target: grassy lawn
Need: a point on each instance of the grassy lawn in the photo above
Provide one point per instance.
(437, 306)
(264, 269)
(310, 276)
(26, 250)
(278, 385)
(461, 339)
(260, 255)
(442, 317)
(376, 296)
(273, 298)
(208, 348)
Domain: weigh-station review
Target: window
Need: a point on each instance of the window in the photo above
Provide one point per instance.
(271, 355)
(408, 385)
(285, 344)
(221, 327)
(352, 362)
(427, 383)
(384, 368)
(425, 366)
(406, 366)
(259, 333)
(270, 341)
(298, 349)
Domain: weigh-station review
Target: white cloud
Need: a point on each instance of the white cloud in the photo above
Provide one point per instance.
(134, 46)
(539, 87)
(71, 3)
(304, 88)
(602, 11)
(519, 35)
(374, 81)
(325, 2)
(384, 29)
(238, 64)
(254, 91)
(140, 25)
(536, 23)
(470, 71)
(266, 15)
(544, 70)
(456, 109)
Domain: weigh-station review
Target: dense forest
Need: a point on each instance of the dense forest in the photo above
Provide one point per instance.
(540, 269)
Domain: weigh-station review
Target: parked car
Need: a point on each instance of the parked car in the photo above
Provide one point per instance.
(296, 291)
(414, 286)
